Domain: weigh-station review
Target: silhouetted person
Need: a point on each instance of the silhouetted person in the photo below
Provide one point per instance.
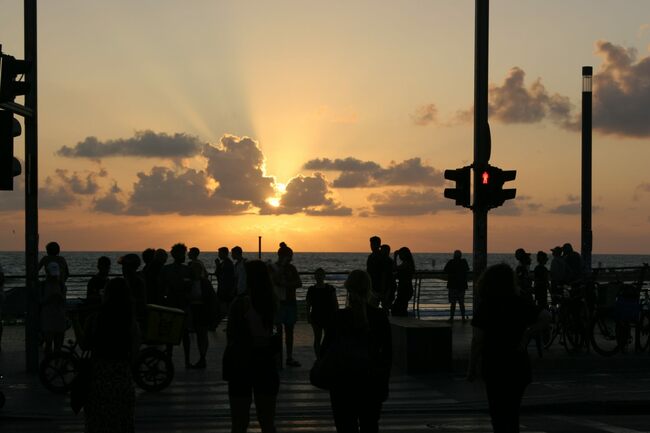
(375, 268)
(148, 257)
(113, 339)
(405, 269)
(524, 280)
(225, 272)
(321, 303)
(240, 271)
(541, 280)
(558, 272)
(202, 296)
(573, 262)
(286, 280)
(193, 255)
(152, 278)
(2, 300)
(96, 286)
(53, 251)
(130, 264)
(176, 281)
(503, 323)
(52, 303)
(249, 358)
(388, 278)
(456, 270)
(358, 391)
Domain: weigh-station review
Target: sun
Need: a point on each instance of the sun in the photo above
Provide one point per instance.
(273, 201)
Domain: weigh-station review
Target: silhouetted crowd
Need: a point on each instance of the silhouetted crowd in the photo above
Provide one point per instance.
(352, 344)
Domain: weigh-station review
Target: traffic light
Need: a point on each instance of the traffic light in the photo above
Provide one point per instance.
(11, 70)
(9, 165)
(490, 192)
(462, 178)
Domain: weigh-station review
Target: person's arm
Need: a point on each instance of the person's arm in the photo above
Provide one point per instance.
(308, 304)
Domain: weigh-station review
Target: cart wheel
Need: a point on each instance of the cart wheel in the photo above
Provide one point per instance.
(154, 370)
(57, 371)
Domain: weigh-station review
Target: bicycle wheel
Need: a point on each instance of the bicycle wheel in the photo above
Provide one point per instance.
(154, 370)
(643, 333)
(549, 334)
(604, 335)
(57, 371)
(575, 329)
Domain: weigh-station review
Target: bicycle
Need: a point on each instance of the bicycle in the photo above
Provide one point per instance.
(569, 320)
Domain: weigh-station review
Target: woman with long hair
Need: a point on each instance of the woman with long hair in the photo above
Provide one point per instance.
(405, 270)
(249, 358)
(360, 340)
(503, 323)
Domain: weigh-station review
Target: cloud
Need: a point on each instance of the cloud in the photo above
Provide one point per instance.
(186, 192)
(572, 207)
(425, 115)
(308, 194)
(109, 203)
(364, 174)
(11, 201)
(144, 144)
(621, 104)
(409, 202)
(238, 165)
(81, 184)
(640, 189)
(517, 206)
(512, 102)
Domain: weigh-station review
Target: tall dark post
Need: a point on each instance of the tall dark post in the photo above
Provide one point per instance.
(31, 190)
(259, 247)
(586, 236)
(481, 133)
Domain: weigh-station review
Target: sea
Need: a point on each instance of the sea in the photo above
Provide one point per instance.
(430, 300)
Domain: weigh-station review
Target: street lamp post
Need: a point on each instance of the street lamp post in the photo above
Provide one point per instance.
(586, 236)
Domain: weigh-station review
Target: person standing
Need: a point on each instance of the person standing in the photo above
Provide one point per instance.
(2, 300)
(286, 280)
(193, 255)
(240, 271)
(53, 251)
(457, 270)
(557, 272)
(375, 268)
(96, 286)
(202, 297)
(541, 280)
(387, 294)
(225, 272)
(361, 335)
(405, 270)
(249, 357)
(321, 306)
(503, 323)
(524, 280)
(52, 301)
(176, 283)
(113, 336)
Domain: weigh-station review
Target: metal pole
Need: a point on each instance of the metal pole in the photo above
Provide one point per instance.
(481, 134)
(31, 190)
(259, 247)
(586, 234)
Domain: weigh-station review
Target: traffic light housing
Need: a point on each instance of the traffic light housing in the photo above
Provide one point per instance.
(489, 190)
(462, 177)
(9, 165)
(11, 69)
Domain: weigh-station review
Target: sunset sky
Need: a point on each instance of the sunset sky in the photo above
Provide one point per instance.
(323, 123)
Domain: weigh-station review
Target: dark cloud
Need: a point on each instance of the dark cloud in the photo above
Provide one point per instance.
(512, 102)
(363, 174)
(109, 203)
(425, 115)
(409, 202)
(622, 92)
(54, 196)
(164, 191)
(83, 184)
(144, 144)
(572, 207)
(308, 194)
(237, 164)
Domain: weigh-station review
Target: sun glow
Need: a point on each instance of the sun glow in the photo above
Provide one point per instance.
(273, 201)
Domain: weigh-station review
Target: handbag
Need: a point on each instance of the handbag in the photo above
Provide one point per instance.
(80, 385)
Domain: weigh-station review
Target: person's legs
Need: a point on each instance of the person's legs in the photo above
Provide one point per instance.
(240, 397)
(265, 408)
(461, 304)
(369, 416)
(289, 341)
(504, 401)
(202, 344)
(318, 337)
(452, 309)
(345, 417)
(186, 348)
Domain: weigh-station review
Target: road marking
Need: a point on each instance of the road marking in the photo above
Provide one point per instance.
(595, 424)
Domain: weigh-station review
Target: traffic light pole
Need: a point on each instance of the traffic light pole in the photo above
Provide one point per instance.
(586, 235)
(481, 135)
(31, 190)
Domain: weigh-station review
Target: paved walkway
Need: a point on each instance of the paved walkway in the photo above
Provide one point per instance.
(197, 400)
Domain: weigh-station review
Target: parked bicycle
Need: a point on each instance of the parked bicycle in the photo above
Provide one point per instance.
(570, 319)
(153, 369)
